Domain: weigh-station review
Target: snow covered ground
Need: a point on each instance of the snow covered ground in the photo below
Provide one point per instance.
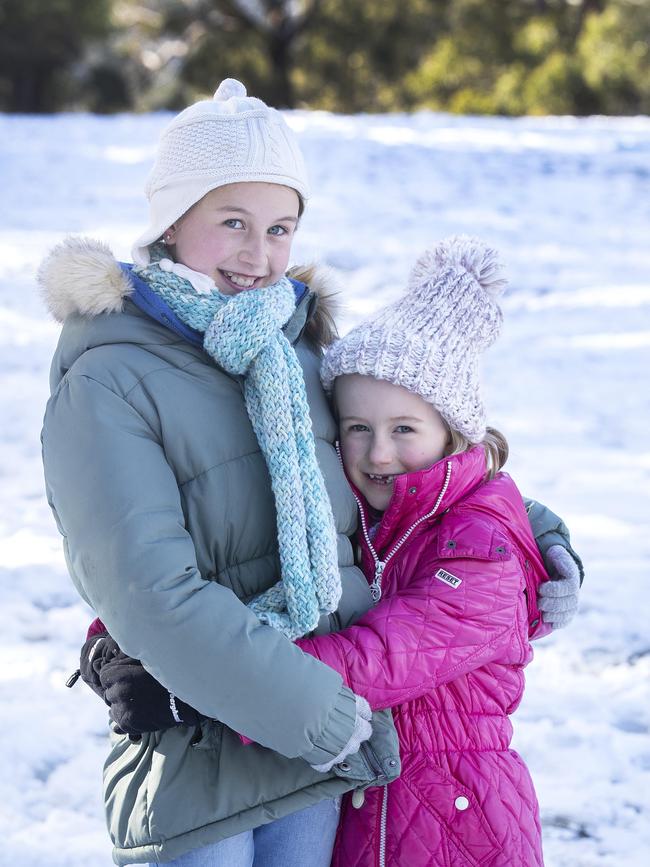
(568, 203)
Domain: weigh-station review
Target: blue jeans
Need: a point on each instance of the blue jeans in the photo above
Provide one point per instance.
(302, 839)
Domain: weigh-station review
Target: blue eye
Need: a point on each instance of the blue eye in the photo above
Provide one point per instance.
(278, 231)
(357, 428)
(233, 223)
(403, 428)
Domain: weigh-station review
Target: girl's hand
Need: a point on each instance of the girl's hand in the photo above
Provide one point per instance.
(558, 598)
(97, 650)
(137, 701)
(361, 732)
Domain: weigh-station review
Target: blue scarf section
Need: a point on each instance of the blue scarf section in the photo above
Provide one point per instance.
(153, 305)
(243, 334)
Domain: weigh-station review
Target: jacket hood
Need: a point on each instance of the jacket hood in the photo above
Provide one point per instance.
(81, 276)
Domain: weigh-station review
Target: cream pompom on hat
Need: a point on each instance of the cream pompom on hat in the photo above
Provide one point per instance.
(430, 340)
(228, 139)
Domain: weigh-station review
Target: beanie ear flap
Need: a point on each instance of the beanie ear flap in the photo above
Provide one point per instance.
(461, 252)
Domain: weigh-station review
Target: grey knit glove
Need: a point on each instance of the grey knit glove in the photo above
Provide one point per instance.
(558, 598)
(362, 731)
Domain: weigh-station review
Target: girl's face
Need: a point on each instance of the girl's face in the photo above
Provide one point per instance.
(385, 431)
(239, 234)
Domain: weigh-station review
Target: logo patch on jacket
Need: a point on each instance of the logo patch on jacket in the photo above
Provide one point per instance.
(448, 578)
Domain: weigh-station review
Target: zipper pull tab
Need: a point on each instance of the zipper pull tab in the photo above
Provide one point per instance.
(358, 798)
(375, 587)
(74, 677)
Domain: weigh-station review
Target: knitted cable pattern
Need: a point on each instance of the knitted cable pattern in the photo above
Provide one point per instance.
(243, 334)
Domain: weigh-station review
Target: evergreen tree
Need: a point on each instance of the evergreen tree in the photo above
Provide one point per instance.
(40, 40)
(483, 56)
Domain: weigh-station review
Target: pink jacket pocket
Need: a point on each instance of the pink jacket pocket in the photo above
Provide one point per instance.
(456, 808)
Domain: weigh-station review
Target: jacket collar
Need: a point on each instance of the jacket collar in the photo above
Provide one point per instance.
(416, 494)
(81, 277)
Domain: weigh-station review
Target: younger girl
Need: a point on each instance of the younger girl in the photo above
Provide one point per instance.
(447, 545)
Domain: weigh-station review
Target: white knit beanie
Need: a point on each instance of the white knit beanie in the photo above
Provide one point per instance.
(430, 340)
(225, 140)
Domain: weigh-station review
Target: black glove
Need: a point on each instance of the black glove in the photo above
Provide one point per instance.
(137, 701)
(94, 654)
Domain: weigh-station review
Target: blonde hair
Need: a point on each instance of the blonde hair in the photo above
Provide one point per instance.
(494, 443)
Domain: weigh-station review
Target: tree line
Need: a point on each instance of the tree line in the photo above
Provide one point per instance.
(508, 57)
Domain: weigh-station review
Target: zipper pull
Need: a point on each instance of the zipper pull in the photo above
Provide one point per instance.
(74, 677)
(375, 587)
(358, 798)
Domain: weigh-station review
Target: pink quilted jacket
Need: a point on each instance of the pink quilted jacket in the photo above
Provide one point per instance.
(445, 646)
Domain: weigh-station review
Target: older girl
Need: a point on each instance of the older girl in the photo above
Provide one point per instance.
(194, 498)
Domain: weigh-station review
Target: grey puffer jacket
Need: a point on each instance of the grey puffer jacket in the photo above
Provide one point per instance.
(162, 496)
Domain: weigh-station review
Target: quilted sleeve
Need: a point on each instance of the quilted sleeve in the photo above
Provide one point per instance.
(454, 616)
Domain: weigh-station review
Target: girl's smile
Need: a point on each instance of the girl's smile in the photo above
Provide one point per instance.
(240, 279)
(240, 282)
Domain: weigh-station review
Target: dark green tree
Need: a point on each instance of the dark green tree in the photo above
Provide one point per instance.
(357, 52)
(345, 55)
(40, 41)
(278, 24)
(614, 54)
(482, 56)
(254, 40)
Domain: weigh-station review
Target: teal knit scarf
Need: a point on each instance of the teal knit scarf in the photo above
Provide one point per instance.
(243, 334)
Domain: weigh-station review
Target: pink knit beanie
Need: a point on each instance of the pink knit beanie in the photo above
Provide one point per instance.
(430, 340)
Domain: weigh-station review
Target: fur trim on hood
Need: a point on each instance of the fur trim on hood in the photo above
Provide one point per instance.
(321, 328)
(81, 276)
